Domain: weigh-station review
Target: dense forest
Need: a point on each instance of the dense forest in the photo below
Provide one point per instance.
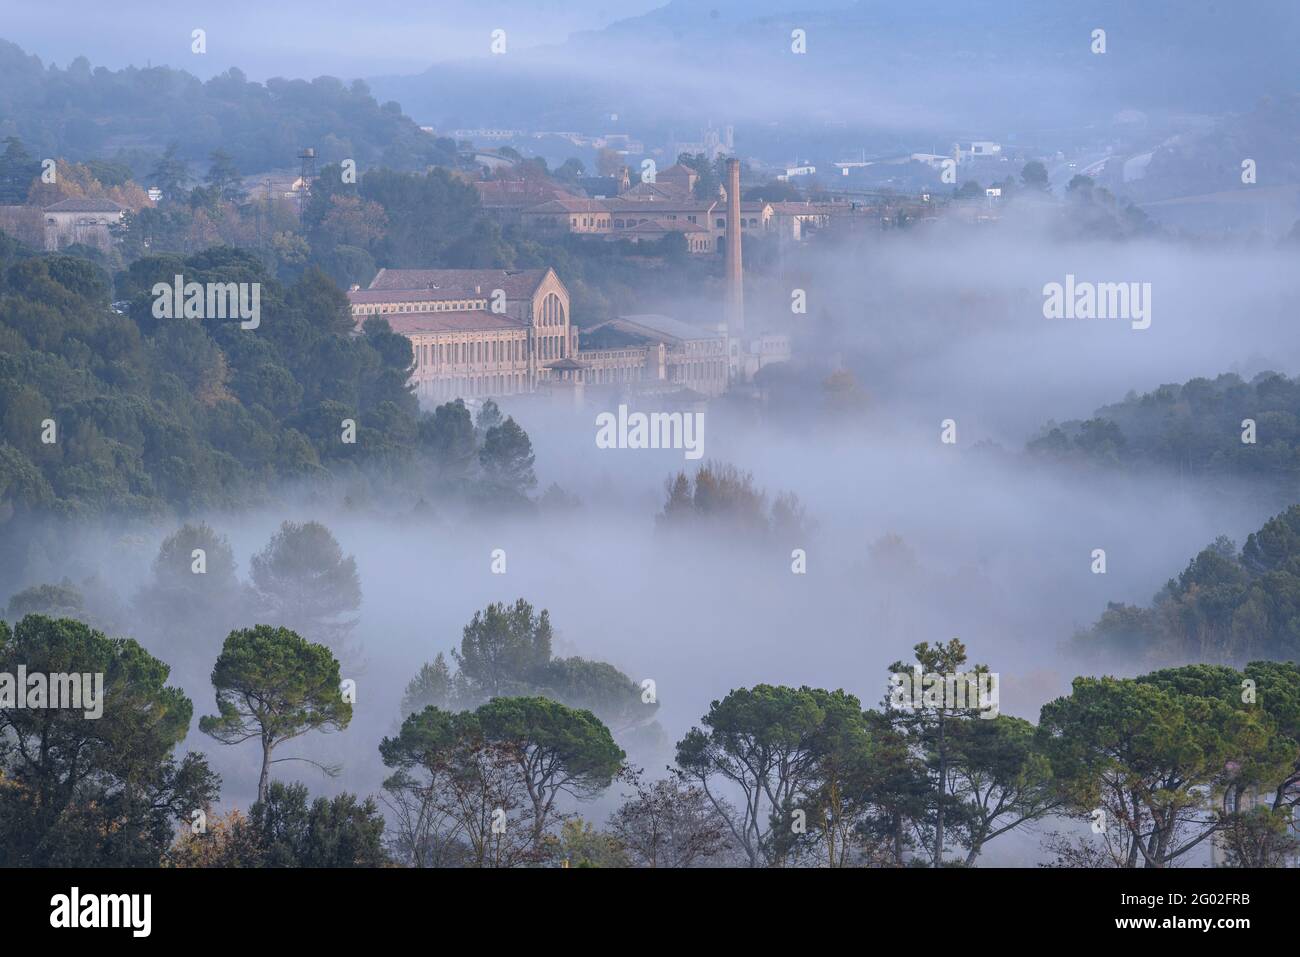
(496, 769)
(1228, 606)
(111, 412)
(1199, 428)
(84, 112)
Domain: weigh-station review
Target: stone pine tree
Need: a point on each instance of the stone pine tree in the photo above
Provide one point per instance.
(306, 583)
(98, 785)
(557, 749)
(273, 685)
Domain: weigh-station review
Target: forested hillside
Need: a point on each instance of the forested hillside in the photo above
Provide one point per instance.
(1226, 607)
(1198, 428)
(83, 111)
(103, 411)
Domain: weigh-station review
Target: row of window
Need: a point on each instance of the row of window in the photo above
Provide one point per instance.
(600, 222)
(616, 374)
(700, 372)
(463, 306)
(460, 353)
(550, 347)
(466, 387)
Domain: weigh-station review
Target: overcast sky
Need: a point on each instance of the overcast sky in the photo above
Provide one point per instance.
(294, 38)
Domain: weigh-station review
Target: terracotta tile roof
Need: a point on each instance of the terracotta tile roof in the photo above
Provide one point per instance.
(657, 190)
(571, 205)
(678, 169)
(82, 205)
(459, 283)
(362, 297)
(658, 328)
(505, 192)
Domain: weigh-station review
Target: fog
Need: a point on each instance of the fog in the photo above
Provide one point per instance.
(326, 37)
(942, 323)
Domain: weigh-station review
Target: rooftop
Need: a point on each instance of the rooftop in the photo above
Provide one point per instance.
(459, 283)
(655, 325)
(360, 297)
(81, 204)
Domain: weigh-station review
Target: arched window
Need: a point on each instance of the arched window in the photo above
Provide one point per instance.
(552, 311)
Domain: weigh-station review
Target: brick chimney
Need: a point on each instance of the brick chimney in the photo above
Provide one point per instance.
(735, 302)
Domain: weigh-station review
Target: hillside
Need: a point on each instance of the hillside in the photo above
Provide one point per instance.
(84, 112)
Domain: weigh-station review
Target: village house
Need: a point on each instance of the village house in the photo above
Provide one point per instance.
(81, 220)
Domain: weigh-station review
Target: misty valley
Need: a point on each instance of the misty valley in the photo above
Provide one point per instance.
(871, 442)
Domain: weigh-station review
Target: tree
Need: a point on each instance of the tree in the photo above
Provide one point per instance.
(773, 191)
(193, 588)
(456, 795)
(1259, 793)
(839, 781)
(351, 221)
(1034, 175)
(507, 459)
(223, 178)
(448, 435)
(581, 845)
(1080, 187)
(432, 685)
(53, 601)
(719, 493)
(710, 177)
(668, 823)
(761, 741)
(557, 749)
(284, 831)
(226, 841)
(305, 583)
(334, 832)
(80, 789)
(609, 162)
(274, 686)
(680, 503)
(1225, 607)
(1148, 756)
(935, 727)
(170, 173)
(504, 649)
(1001, 780)
(897, 793)
(489, 417)
(17, 170)
(570, 170)
(600, 688)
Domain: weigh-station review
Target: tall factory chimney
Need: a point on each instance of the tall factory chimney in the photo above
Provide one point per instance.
(735, 302)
